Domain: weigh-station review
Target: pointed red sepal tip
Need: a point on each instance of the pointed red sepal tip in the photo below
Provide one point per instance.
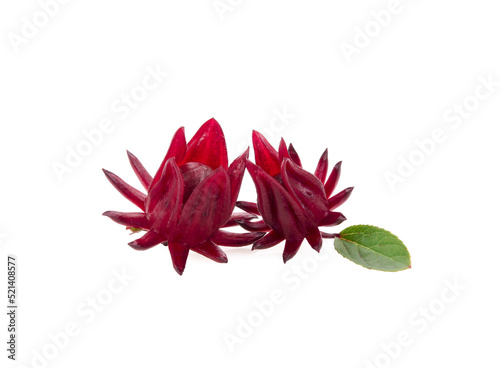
(315, 240)
(129, 219)
(147, 241)
(253, 225)
(238, 216)
(129, 192)
(322, 168)
(208, 146)
(249, 207)
(246, 153)
(268, 241)
(140, 170)
(333, 219)
(266, 157)
(236, 172)
(178, 146)
(340, 198)
(332, 181)
(211, 251)
(228, 239)
(283, 151)
(179, 254)
(294, 155)
(177, 151)
(291, 248)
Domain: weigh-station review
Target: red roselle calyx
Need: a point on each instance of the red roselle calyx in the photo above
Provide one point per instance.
(293, 203)
(190, 198)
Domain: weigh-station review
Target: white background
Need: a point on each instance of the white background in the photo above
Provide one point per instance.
(241, 67)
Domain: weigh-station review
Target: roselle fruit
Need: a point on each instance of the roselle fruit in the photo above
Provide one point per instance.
(293, 203)
(190, 198)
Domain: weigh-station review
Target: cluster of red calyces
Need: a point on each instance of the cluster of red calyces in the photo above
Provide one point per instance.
(293, 203)
(194, 192)
(190, 198)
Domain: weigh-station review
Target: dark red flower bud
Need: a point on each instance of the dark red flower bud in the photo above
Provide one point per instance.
(190, 198)
(293, 203)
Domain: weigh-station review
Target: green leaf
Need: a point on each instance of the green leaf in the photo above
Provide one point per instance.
(373, 247)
